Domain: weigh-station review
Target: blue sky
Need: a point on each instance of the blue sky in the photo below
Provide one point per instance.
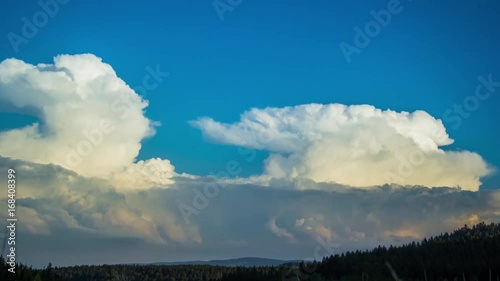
(266, 54)
(278, 54)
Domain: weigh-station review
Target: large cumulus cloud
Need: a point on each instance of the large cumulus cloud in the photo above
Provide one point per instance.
(91, 121)
(357, 145)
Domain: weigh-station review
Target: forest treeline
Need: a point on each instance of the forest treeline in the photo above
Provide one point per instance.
(467, 254)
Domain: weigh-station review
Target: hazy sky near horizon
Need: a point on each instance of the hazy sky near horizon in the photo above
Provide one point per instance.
(216, 129)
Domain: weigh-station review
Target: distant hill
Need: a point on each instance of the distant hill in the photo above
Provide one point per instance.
(243, 262)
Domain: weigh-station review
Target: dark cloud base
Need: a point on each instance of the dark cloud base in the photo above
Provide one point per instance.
(68, 219)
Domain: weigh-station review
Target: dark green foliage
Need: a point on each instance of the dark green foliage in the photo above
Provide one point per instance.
(25, 273)
(143, 272)
(467, 254)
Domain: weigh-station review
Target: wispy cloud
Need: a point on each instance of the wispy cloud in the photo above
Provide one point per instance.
(280, 232)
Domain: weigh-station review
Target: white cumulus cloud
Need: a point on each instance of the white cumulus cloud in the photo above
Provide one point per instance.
(356, 145)
(90, 120)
